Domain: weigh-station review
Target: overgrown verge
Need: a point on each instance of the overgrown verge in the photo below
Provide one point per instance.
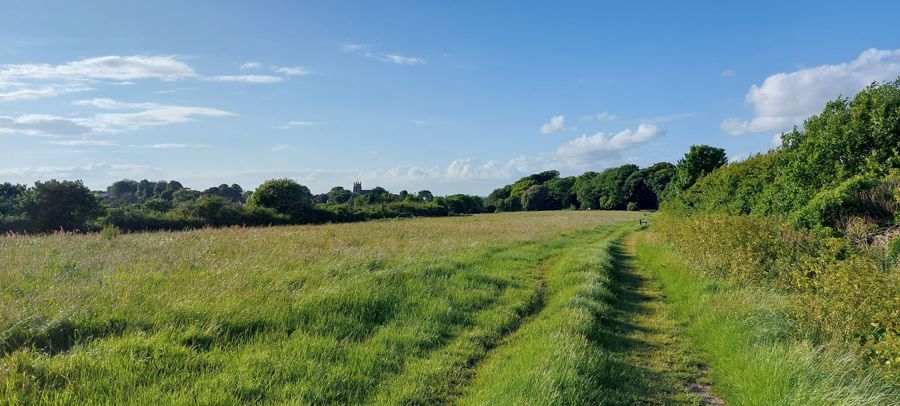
(557, 358)
(747, 334)
(835, 290)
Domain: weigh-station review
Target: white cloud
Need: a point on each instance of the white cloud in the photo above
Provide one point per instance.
(281, 148)
(148, 115)
(40, 92)
(153, 117)
(245, 78)
(402, 60)
(98, 173)
(173, 146)
(298, 123)
(727, 73)
(292, 70)
(604, 116)
(42, 125)
(600, 147)
(555, 124)
(367, 52)
(85, 143)
(110, 104)
(250, 65)
(784, 100)
(115, 68)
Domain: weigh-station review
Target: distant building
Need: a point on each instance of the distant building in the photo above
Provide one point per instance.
(357, 189)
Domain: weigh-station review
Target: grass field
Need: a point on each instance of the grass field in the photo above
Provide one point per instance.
(379, 312)
(539, 308)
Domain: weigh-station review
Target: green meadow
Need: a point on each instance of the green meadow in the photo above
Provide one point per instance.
(390, 312)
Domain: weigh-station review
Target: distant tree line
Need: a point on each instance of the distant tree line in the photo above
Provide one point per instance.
(167, 205)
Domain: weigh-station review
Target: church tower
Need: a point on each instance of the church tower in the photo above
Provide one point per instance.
(357, 187)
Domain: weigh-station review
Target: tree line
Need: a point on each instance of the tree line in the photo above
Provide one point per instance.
(168, 205)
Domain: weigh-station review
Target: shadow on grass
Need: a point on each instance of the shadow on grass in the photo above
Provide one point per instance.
(628, 376)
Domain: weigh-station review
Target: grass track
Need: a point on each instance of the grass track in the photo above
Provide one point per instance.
(381, 312)
(605, 337)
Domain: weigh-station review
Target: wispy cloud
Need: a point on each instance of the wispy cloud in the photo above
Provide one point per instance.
(146, 115)
(84, 143)
(24, 93)
(604, 116)
(92, 170)
(281, 148)
(172, 146)
(298, 123)
(292, 70)
(368, 52)
(115, 68)
(727, 73)
(250, 65)
(245, 78)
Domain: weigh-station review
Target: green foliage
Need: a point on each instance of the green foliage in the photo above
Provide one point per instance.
(834, 207)
(747, 335)
(463, 204)
(699, 161)
(734, 189)
(110, 231)
(9, 198)
(339, 195)
(632, 206)
(55, 205)
(284, 196)
(837, 292)
(535, 198)
(561, 193)
(425, 195)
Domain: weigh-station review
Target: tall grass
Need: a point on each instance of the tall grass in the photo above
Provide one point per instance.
(379, 312)
(756, 354)
(558, 358)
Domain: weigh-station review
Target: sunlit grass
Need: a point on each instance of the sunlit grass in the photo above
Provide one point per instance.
(386, 311)
(756, 355)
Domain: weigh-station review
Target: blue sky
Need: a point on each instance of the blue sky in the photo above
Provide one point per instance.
(449, 96)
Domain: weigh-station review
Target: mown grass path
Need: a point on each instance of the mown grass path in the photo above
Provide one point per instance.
(655, 360)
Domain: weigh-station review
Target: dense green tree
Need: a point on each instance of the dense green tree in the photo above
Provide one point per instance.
(185, 195)
(285, 196)
(699, 161)
(425, 195)
(463, 204)
(233, 193)
(339, 195)
(53, 205)
(536, 197)
(9, 195)
(157, 204)
(561, 193)
(497, 201)
(123, 189)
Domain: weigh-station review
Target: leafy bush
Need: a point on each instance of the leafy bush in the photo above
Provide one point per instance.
(110, 231)
(284, 196)
(838, 291)
(632, 206)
